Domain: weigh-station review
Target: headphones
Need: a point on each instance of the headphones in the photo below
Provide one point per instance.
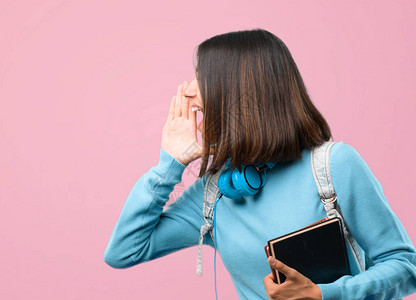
(235, 185)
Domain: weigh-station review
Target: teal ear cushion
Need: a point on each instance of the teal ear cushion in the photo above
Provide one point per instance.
(236, 185)
(250, 180)
(224, 184)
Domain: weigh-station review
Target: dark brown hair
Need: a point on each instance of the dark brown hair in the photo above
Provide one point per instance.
(256, 106)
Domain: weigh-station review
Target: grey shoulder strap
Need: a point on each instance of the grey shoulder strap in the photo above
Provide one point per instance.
(210, 195)
(320, 168)
(322, 175)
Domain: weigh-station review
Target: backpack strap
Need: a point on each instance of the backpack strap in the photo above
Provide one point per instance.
(210, 195)
(322, 175)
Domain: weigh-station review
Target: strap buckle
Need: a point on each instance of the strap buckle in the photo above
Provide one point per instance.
(329, 200)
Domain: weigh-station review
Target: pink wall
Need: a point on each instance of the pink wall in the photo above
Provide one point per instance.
(85, 89)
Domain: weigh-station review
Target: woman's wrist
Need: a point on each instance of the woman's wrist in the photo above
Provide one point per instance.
(316, 293)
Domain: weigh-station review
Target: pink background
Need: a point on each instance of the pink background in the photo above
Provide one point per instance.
(85, 88)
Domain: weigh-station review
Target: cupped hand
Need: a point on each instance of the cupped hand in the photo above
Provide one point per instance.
(296, 286)
(179, 136)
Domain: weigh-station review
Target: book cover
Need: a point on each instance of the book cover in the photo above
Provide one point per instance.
(317, 251)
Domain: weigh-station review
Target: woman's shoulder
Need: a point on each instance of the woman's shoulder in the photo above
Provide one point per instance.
(346, 164)
(345, 155)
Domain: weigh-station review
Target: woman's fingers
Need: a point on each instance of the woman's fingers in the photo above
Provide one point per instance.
(185, 101)
(296, 285)
(178, 101)
(281, 267)
(181, 102)
(269, 279)
(172, 109)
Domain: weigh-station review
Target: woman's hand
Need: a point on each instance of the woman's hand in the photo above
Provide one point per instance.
(296, 286)
(179, 137)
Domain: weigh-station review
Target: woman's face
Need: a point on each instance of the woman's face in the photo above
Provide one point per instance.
(192, 92)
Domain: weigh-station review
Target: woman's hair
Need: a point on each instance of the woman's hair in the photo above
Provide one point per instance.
(256, 106)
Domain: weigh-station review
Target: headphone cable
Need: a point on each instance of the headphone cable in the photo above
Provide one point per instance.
(215, 245)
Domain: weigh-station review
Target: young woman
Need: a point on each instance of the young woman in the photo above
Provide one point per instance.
(256, 109)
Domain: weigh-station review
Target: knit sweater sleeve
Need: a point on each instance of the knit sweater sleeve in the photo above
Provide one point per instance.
(376, 229)
(144, 231)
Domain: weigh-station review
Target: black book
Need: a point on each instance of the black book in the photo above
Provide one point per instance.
(317, 251)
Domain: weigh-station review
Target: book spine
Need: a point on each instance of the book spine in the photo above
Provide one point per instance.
(266, 248)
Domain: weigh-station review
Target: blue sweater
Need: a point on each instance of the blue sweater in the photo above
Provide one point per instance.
(288, 201)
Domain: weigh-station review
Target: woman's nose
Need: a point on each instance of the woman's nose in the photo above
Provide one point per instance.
(190, 90)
